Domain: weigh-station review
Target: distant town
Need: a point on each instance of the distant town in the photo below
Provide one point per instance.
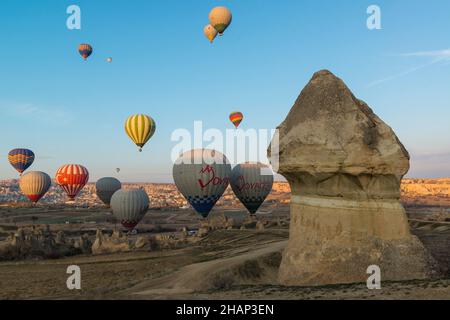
(161, 195)
(166, 195)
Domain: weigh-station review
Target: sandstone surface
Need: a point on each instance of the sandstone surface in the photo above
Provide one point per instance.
(344, 166)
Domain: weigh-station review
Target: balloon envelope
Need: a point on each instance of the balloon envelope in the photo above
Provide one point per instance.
(252, 183)
(130, 206)
(21, 159)
(85, 50)
(210, 33)
(236, 118)
(72, 178)
(106, 187)
(220, 18)
(140, 128)
(35, 185)
(202, 175)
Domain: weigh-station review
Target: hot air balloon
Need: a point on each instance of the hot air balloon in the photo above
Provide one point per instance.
(140, 128)
(210, 33)
(236, 118)
(72, 178)
(252, 183)
(85, 50)
(220, 18)
(129, 206)
(21, 159)
(105, 188)
(202, 175)
(35, 185)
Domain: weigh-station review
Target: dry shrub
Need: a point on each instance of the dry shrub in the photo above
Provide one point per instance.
(223, 280)
(250, 270)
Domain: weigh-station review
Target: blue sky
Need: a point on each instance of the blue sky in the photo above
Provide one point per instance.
(71, 111)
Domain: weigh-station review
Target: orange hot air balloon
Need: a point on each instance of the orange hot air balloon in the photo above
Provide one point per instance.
(72, 178)
(220, 18)
(236, 118)
(210, 33)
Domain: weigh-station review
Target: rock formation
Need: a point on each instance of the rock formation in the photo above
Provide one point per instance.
(260, 226)
(145, 243)
(204, 229)
(36, 243)
(218, 222)
(167, 241)
(184, 232)
(83, 244)
(60, 238)
(344, 166)
(104, 244)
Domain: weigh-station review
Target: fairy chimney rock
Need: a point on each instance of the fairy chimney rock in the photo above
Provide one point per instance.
(344, 166)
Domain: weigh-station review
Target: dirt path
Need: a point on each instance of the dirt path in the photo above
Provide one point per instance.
(200, 276)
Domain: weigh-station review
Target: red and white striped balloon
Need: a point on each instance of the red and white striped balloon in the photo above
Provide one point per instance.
(72, 178)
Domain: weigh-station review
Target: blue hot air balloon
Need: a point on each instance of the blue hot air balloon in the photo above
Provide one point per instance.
(21, 159)
(85, 50)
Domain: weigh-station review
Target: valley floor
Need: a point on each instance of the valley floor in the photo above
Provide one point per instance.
(251, 257)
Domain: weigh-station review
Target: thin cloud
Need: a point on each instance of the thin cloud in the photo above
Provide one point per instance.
(47, 157)
(34, 112)
(438, 56)
(431, 155)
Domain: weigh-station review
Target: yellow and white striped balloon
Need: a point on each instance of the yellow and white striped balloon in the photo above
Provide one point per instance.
(140, 128)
